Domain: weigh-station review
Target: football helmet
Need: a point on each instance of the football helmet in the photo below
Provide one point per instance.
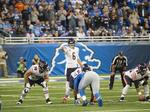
(86, 67)
(43, 66)
(142, 68)
(120, 53)
(71, 42)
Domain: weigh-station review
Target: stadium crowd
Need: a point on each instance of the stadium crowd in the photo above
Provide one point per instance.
(81, 18)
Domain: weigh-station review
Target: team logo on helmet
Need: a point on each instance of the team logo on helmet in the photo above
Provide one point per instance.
(86, 67)
(43, 66)
(71, 41)
(142, 68)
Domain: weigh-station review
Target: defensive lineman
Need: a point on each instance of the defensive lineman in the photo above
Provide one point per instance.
(38, 74)
(89, 77)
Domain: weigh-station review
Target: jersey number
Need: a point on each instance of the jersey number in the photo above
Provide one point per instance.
(73, 56)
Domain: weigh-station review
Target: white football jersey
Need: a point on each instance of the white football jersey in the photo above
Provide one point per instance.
(76, 72)
(71, 56)
(147, 72)
(35, 73)
(133, 74)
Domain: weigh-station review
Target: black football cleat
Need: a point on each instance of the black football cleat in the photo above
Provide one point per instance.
(48, 101)
(85, 103)
(19, 102)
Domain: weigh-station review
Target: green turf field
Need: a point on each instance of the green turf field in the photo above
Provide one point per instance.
(35, 102)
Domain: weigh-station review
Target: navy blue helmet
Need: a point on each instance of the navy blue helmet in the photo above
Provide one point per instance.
(142, 68)
(71, 41)
(43, 66)
(86, 67)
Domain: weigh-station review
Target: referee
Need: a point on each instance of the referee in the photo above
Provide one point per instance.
(119, 64)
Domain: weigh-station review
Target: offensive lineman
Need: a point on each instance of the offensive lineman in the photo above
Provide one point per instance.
(72, 62)
(139, 76)
(38, 74)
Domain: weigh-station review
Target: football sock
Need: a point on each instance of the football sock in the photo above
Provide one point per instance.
(24, 93)
(125, 89)
(45, 90)
(146, 90)
(99, 99)
(67, 89)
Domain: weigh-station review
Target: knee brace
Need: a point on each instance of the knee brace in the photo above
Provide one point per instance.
(26, 90)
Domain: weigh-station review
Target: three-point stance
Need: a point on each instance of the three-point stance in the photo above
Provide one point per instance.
(88, 77)
(138, 76)
(38, 74)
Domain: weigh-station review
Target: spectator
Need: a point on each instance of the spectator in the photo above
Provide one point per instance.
(37, 29)
(34, 15)
(72, 21)
(62, 16)
(30, 34)
(134, 18)
(81, 20)
(26, 15)
(113, 19)
(50, 13)
(80, 33)
(90, 32)
(111, 14)
(96, 21)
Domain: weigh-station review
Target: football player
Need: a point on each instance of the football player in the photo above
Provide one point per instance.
(85, 78)
(72, 62)
(36, 74)
(74, 83)
(138, 76)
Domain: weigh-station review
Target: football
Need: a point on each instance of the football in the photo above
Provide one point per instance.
(141, 98)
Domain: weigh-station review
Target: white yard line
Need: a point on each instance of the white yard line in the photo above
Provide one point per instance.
(122, 110)
(57, 94)
(60, 105)
(52, 79)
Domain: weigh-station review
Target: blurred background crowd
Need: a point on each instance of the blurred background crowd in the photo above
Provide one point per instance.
(81, 18)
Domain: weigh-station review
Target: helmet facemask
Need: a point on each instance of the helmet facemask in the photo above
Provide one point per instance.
(43, 66)
(71, 43)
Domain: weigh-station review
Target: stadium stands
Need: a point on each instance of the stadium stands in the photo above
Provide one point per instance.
(61, 18)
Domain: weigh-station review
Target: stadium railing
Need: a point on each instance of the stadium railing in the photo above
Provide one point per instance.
(91, 39)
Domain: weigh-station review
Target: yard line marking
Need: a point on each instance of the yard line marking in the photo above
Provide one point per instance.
(31, 98)
(58, 105)
(51, 93)
(121, 110)
(52, 79)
